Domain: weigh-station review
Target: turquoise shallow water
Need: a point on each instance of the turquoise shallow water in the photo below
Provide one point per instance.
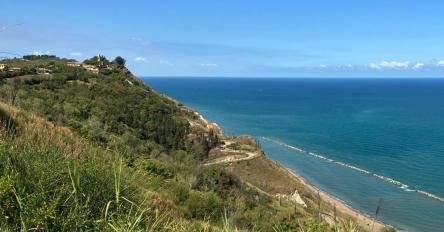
(389, 127)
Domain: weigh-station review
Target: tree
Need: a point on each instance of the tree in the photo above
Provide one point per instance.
(91, 61)
(119, 62)
(14, 89)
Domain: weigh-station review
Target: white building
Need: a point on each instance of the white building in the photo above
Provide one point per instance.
(44, 71)
(91, 68)
(73, 64)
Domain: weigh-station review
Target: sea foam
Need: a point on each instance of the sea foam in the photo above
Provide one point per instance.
(380, 177)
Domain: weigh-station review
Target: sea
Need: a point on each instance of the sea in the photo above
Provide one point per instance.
(363, 140)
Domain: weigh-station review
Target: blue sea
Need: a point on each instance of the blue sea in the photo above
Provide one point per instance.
(360, 139)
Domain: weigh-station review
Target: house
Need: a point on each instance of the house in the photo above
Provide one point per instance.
(44, 71)
(2, 67)
(14, 69)
(73, 64)
(91, 68)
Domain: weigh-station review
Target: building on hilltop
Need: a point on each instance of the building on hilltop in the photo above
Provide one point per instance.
(91, 68)
(73, 64)
(102, 62)
(14, 69)
(44, 71)
(98, 61)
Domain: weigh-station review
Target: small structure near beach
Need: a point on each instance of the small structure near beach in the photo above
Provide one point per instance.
(295, 198)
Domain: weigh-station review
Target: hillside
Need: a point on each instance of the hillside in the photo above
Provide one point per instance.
(88, 146)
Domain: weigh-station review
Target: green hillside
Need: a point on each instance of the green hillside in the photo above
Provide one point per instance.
(88, 146)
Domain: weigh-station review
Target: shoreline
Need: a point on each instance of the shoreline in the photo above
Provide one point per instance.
(357, 169)
(362, 219)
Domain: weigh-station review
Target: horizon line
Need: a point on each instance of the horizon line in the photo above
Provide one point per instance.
(289, 77)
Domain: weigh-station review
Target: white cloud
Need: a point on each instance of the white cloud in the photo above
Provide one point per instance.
(395, 64)
(323, 66)
(440, 63)
(7, 27)
(374, 66)
(76, 54)
(39, 53)
(209, 65)
(390, 65)
(345, 66)
(140, 59)
(418, 66)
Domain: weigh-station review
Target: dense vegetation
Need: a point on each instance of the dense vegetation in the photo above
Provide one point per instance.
(114, 110)
(102, 151)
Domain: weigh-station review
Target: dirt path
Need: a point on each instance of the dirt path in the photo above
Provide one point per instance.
(234, 155)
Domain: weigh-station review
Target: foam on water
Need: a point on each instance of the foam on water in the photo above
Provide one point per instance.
(383, 178)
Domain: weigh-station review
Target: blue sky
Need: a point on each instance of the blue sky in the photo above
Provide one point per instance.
(378, 38)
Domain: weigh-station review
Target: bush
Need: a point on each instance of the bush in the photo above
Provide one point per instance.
(204, 205)
(155, 168)
(217, 181)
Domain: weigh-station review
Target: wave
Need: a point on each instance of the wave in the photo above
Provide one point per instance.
(401, 185)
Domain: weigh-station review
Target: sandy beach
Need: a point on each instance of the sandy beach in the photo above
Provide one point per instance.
(363, 220)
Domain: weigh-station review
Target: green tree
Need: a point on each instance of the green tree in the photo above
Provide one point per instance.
(119, 62)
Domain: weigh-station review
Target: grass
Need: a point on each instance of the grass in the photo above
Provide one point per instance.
(7, 123)
(52, 180)
(264, 174)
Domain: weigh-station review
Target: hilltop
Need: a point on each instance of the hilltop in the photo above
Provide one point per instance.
(88, 146)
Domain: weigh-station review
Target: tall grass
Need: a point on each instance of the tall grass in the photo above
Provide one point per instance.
(51, 180)
(226, 223)
(7, 123)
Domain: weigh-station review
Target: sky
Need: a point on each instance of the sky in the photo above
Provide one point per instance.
(236, 38)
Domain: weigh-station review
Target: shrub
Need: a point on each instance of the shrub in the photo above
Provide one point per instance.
(204, 205)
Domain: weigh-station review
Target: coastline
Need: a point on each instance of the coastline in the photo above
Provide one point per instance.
(363, 171)
(364, 220)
